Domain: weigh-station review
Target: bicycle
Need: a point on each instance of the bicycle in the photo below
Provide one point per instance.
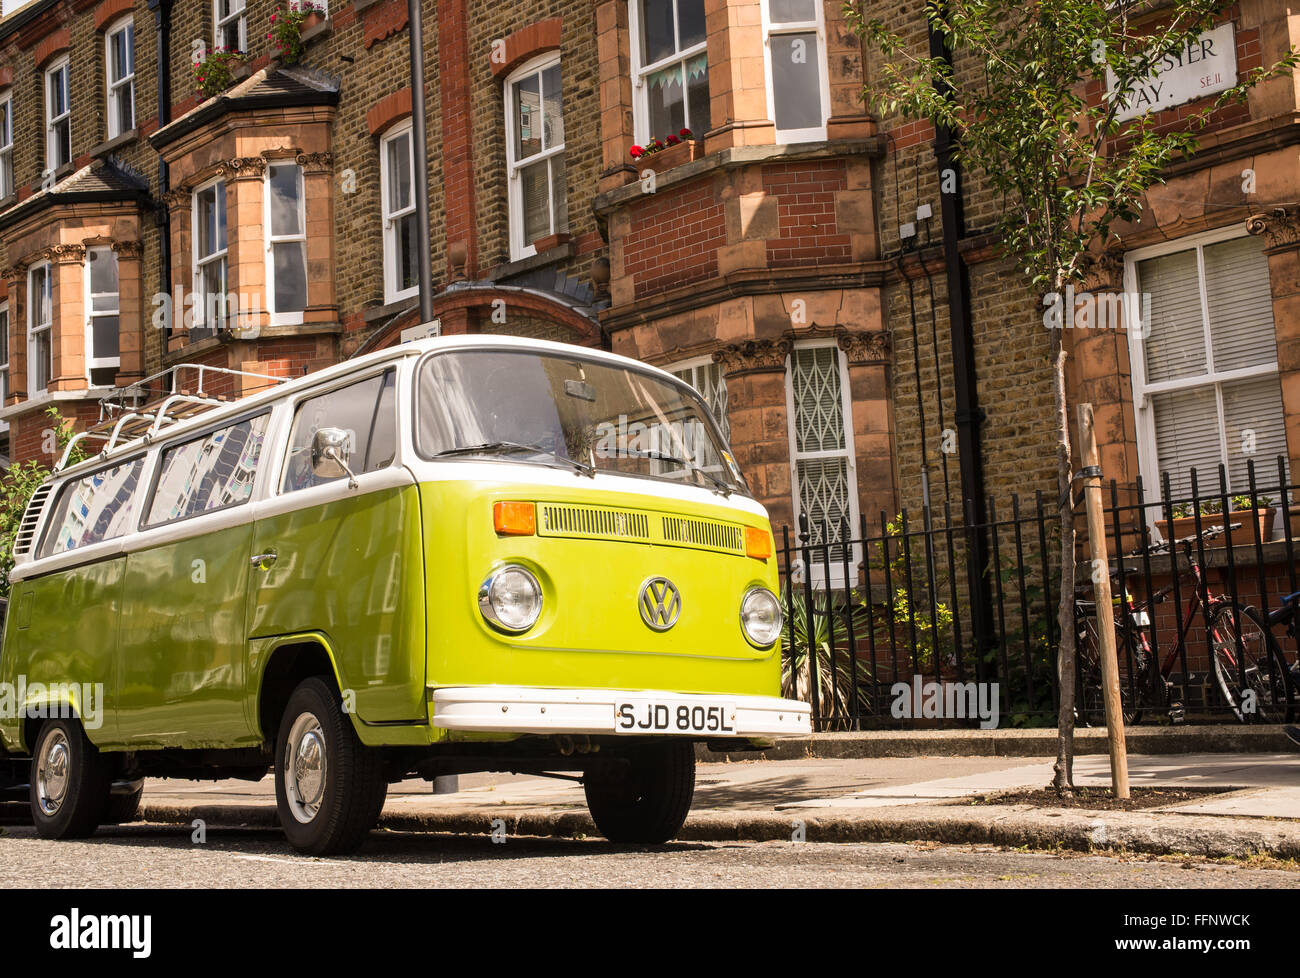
(1274, 686)
(1233, 629)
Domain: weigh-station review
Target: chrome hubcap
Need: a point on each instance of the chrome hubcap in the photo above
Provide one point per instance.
(52, 763)
(305, 763)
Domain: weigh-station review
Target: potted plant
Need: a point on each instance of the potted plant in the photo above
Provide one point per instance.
(216, 71)
(1242, 511)
(668, 152)
(288, 23)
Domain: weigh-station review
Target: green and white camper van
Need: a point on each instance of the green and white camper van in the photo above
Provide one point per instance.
(461, 554)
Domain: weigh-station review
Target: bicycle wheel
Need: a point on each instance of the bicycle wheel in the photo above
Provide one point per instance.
(1248, 665)
(1091, 708)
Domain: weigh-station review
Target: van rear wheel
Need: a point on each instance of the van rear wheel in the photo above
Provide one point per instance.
(329, 787)
(70, 782)
(645, 801)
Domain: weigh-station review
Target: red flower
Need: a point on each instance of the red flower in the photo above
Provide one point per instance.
(673, 140)
(636, 152)
(685, 134)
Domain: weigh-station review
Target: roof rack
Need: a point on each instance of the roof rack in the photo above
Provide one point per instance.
(125, 413)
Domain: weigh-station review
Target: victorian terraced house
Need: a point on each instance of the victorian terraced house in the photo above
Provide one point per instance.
(271, 228)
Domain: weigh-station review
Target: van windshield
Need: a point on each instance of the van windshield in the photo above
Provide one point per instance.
(556, 410)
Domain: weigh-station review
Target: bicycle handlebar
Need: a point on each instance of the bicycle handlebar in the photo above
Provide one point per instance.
(1209, 533)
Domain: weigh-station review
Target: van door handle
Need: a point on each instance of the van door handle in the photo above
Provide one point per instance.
(263, 561)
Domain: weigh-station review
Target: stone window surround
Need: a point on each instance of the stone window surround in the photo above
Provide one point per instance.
(246, 259)
(68, 337)
(733, 51)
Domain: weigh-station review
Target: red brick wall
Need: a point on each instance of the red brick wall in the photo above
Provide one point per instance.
(674, 238)
(805, 192)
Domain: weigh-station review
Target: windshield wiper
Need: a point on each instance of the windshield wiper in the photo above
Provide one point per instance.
(721, 486)
(513, 446)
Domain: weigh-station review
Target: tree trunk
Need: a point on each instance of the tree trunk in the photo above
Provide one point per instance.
(1063, 781)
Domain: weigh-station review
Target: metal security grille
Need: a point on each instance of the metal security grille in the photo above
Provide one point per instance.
(594, 522)
(702, 533)
(821, 455)
(27, 528)
(708, 380)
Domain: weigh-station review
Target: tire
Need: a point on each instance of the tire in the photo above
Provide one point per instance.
(647, 800)
(1264, 667)
(124, 802)
(330, 801)
(1091, 705)
(69, 783)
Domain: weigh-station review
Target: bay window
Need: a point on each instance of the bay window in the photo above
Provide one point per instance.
(821, 447)
(210, 269)
(798, 97)
(535, 155)
(670, 68)
(40, 320)
(102, 334)
(285, 224)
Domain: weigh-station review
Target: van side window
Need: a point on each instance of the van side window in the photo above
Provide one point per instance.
(365, 410)
(92, 509)
(208, 473)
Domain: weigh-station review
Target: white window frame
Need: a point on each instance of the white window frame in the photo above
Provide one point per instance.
(34, 328)
(391, 218)
(198, 263)
(1148, 456)
(93, 363)
(52, 121)
(127, 81)
(4, 362)
(694, 364)
(515, 206)
(6, 144)
(837, 577)
(770, 30)
(640, 72)
(271, 240)
(237, 13)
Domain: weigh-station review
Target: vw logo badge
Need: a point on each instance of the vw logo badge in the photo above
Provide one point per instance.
(660, 603)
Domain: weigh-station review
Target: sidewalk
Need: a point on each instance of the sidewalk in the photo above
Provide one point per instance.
(855, 799)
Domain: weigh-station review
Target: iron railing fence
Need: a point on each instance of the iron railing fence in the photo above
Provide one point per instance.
(888, 625)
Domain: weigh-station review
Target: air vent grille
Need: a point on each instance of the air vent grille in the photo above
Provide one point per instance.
(26, 535)
(590, 521)
(703, 533)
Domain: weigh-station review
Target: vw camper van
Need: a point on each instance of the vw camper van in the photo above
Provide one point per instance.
(461, 554)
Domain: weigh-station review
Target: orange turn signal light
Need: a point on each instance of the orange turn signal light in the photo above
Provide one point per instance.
(758, 543)
(515, 519)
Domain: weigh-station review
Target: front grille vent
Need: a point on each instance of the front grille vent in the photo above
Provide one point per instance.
(703, 533)
(589, 521)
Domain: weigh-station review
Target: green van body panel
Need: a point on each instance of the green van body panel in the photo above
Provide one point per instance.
(353, 570)
(62, 630)
(182, 651)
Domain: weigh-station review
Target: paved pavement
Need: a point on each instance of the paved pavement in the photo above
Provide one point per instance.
(851, 800)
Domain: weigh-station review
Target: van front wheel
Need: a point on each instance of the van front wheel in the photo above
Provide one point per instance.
(645, 801)
(329, 787)
(69, 784)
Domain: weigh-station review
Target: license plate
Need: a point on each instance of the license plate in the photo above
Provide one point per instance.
(673, 716)
(1141, 618)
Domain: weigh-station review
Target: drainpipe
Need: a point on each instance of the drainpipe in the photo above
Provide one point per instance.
(968, 414)
(415, 25)
(162, 14)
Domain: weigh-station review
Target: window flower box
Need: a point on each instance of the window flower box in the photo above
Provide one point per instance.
(1242, 536)
(664, 154)
(550, 241)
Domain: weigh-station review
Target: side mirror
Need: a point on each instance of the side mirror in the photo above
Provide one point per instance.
(331, 450)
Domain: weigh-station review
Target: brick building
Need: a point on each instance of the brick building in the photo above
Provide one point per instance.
(271, 228)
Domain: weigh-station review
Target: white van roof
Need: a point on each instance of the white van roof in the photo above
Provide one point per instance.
(414, 348)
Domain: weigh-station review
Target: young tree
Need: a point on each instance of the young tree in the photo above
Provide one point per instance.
(1013, 91)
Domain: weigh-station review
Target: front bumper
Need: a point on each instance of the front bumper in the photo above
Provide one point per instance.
(538, 710)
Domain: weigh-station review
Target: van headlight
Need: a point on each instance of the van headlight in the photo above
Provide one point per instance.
(510, 598)
(760, 616)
